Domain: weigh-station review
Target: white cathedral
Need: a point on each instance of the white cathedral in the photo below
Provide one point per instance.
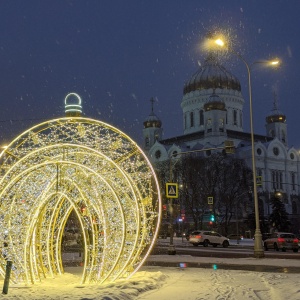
(212, 106)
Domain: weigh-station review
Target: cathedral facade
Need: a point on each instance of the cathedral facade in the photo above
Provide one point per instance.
(212, 108)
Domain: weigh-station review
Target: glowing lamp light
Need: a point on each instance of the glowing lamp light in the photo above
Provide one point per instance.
(219, 42)
(274, 63)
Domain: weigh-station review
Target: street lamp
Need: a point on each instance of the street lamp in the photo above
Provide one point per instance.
(258, 247)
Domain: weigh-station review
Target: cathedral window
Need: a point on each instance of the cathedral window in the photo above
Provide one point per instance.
(234, 117)
(147, 141)
(192, 119)
(185, 121)
(201, 117)
(157, 154)
(221, 125)
(241, 119)
(283, 136)
(277, 178)
(275, 151)
(293, 176)
(156, 136)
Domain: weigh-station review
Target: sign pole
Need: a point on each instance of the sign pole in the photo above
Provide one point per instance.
(171, 192)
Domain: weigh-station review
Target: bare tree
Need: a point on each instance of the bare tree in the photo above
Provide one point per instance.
(224, 178)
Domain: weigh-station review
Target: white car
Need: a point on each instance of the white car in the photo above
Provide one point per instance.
(205, 238)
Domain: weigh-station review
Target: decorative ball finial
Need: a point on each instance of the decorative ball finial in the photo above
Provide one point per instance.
(73, 106)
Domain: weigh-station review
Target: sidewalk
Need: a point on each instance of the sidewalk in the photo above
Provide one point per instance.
(193, 261)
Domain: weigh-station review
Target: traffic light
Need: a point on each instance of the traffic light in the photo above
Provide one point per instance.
(212, 218)
(164, 211)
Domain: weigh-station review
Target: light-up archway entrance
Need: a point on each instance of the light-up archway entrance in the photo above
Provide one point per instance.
(88, 167)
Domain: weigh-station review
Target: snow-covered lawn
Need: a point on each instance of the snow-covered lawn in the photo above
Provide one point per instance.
(160, 283)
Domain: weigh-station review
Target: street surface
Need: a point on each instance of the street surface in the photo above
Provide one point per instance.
(244, 248)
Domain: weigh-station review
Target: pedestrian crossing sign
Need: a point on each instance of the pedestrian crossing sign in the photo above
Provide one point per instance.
(172, 190)
(258, 180)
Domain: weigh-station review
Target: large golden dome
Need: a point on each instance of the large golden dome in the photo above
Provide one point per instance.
(211, 75)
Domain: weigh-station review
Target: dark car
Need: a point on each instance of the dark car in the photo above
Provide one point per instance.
(282, 240)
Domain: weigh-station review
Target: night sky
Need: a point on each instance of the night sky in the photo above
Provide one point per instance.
(118, 54)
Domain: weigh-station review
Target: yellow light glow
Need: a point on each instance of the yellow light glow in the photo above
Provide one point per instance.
(65, 165)
(219, 42)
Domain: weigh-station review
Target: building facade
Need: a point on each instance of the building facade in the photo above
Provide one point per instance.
(212, 108)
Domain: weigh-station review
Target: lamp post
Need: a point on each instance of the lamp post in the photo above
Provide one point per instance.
(258, 247)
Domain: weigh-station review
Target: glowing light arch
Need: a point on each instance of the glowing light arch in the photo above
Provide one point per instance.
(82, 165)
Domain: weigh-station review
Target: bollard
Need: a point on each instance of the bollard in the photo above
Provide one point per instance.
(7, 276)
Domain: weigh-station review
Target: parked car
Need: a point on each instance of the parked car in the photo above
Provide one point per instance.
(206, 238)
(282, 240)
(235, 237)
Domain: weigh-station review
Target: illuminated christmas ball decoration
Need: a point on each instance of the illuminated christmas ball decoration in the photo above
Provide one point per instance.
(80, 165)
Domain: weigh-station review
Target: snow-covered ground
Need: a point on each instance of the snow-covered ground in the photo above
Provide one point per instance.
(176, 283)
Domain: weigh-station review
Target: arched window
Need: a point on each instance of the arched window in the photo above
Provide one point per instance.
(241, 119)
(293, 181)
(192, 119)
(201, 117)
(147, 141)
(283, 136)
(277, 177)
(221, 125)
(234, 117)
